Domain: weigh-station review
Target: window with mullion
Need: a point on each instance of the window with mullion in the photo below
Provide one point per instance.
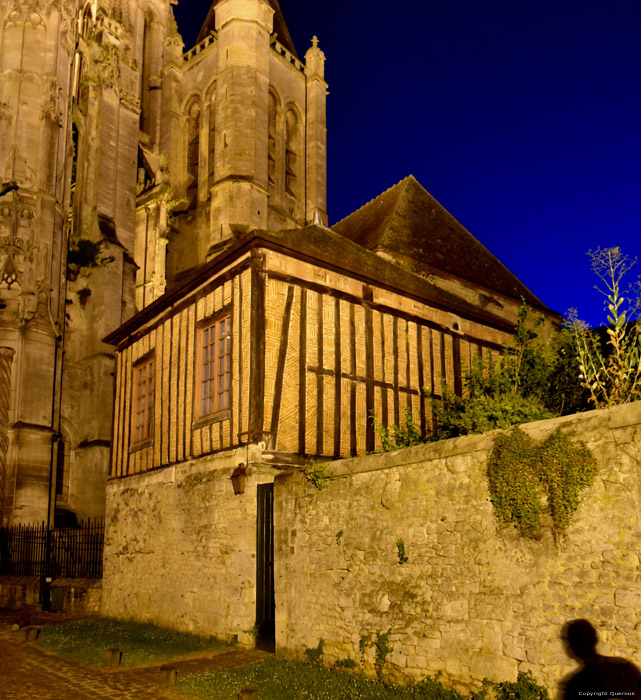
(214, 368)
(143, 402)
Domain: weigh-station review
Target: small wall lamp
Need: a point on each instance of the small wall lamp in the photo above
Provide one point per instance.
(238, 479)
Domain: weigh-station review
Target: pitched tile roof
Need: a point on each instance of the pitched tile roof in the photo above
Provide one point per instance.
(280, 26)
(321, 246)
(407, 224)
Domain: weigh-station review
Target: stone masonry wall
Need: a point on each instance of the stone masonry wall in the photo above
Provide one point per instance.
(180, 547)
(79, 595)
(470, 601)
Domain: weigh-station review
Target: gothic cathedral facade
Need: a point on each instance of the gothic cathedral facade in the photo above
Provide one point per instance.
(125, 164)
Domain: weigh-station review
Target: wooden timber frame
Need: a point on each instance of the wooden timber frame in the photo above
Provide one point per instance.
(323, 354)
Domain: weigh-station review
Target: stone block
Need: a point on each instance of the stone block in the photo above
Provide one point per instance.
(626, 598)
(515, 652)
(495, 668)
(455, 610)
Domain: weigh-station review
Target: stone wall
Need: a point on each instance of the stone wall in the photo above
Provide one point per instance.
(180, 547)
(470, 601)
(79, 595)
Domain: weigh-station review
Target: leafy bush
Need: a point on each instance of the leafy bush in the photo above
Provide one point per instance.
(531, 380)
(396, 437)
(316, 473)
(500, 391)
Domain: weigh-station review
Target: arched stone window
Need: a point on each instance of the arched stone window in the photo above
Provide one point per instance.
(272, 131)
(291, 153)
(193, 155)
(86, 21)
(211, 165)
(146, 103)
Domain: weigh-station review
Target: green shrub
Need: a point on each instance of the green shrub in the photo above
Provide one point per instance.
(396, 437)
(524, 688)
(316, 473)
(531, 380)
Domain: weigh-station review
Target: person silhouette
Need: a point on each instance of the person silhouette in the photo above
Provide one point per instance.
(599, 677)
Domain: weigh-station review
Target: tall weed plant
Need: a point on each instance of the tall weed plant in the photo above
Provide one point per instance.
(610, 364)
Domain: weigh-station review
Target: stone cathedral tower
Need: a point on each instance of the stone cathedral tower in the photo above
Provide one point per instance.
(125, 163)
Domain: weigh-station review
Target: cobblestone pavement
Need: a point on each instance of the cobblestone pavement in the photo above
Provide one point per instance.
(29, 673)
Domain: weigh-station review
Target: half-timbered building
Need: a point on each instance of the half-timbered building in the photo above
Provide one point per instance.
(301, 341)
(264, 338)
(286, 346)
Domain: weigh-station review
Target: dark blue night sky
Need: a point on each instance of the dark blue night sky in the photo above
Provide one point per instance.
(522, 118)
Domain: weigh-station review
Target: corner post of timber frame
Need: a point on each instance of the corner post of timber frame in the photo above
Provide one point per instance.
(257, 348)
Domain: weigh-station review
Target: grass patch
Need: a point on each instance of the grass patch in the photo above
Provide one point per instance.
(277, 679)
(87, 641)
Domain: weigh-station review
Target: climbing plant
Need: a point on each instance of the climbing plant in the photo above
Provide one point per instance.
(527, 479)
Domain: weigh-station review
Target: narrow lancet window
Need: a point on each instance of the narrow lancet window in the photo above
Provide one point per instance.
(271, 136)
(145, 78)
(291, 153)
(193, 155)
(212, 142)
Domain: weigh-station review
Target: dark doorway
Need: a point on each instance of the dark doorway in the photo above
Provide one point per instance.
(266, 632)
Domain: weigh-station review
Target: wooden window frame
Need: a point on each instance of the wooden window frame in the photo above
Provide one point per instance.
(212, 382)
(146, 364)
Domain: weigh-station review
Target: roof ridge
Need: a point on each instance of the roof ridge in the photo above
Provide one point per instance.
(380, 194)
(405, 181)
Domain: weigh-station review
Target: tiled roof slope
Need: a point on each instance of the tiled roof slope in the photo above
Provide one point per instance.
(280, 26)
(319, 246)
(409, 225)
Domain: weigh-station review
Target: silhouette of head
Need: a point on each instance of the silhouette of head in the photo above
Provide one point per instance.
(581, 637)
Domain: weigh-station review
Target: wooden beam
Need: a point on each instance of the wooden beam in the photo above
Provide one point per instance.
(352, 389)
(369, 371)
(280, 368)
(397, 420)
(456, 361)
(257, 348)
(376, 306)
(302, 374)
(421, 378)
(320, 382)
(337, 378)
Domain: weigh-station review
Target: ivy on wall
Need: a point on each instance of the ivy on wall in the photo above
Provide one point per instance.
(527, 479)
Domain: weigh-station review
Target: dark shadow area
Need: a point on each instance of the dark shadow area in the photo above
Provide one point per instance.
(599, 676)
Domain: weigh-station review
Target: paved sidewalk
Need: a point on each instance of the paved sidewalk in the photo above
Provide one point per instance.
(29, 673)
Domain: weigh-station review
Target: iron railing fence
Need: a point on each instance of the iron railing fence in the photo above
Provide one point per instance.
(36, 550)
